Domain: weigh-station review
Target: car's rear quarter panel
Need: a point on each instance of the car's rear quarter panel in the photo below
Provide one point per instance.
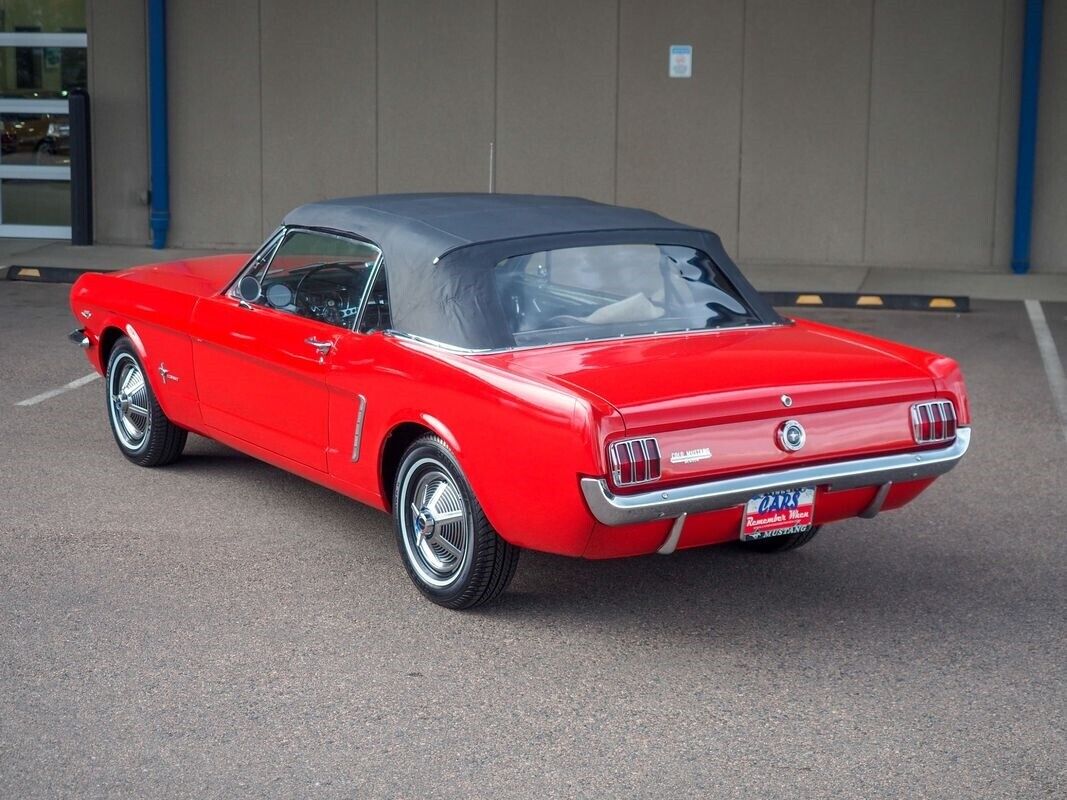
(522, 444)
(945, 372)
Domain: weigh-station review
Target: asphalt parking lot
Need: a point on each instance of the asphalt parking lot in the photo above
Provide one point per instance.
(220, 628)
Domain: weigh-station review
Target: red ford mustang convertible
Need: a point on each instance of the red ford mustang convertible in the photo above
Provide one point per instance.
(504, 372)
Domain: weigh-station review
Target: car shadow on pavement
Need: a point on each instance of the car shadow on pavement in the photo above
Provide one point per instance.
(865, 588)
(880, 576)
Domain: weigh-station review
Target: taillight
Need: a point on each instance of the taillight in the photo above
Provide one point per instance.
(934, 421)
(634, 461)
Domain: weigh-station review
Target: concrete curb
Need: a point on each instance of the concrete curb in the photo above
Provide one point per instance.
(871, 300)
(43, 274)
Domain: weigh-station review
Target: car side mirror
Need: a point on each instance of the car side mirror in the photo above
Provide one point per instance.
(249, 289)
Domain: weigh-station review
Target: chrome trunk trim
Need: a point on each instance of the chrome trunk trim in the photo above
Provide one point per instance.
(469, 351)
(613, 509)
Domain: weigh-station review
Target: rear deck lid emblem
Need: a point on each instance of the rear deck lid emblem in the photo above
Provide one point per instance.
(691, 456)
(791, 435)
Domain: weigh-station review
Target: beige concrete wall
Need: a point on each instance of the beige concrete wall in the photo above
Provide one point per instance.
(556, 97)
(1049, 253)
(435, 95)
(679, 139)
(319, 104)
(804, 130)
(848, 132)
(1011, 48)
(216, 154)
(935, 92)
(118, 80)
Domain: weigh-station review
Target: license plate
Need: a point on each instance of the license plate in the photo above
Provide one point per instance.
(778, 513)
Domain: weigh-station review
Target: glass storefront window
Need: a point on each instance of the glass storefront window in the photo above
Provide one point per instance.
(41, 72)
(42, 139)
(42, 16)
(43, 49)
(30, 202)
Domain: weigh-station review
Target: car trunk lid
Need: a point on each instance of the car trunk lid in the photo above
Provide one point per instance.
(715, 400)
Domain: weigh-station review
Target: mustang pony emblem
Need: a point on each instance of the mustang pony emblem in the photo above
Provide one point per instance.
(691, 456)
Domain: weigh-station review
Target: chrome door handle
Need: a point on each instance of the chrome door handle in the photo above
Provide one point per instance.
(322, 347)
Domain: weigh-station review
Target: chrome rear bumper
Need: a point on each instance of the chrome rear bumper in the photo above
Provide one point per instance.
(613, 509)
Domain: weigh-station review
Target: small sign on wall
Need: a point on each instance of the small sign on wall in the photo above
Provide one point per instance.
(681, 61)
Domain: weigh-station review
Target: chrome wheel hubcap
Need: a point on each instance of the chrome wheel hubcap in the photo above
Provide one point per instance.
(128, 393)
(435, 525)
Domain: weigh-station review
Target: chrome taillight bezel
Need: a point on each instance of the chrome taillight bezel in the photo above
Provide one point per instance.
(933, 422)
(626, 455)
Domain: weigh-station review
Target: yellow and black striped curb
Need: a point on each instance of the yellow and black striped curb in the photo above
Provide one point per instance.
(885, 302)
(45, 274)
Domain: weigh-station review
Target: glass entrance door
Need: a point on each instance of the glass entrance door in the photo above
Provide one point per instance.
(43, 47)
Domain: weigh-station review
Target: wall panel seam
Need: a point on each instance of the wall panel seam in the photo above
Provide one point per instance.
(494, 167)
(91, 87)
(618, 57)
(996, 138)
(741, 123)
(867, 158)
(377, 99)
(259, 71)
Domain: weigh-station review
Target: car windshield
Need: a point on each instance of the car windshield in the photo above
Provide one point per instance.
(605, 291)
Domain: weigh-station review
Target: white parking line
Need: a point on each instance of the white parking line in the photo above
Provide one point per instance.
(1057, 380)
(40, 398)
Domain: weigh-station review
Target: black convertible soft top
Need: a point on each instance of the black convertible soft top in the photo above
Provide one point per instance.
(439, 250)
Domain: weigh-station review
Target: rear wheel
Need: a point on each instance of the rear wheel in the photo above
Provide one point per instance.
(779, 544)
(449, 550)
(142, 431)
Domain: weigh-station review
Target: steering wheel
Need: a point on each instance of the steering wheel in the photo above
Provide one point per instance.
(303, 305)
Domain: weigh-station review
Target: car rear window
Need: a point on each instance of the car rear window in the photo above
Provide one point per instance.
(606, 291)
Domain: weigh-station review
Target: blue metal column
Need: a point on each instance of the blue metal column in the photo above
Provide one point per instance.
(1024, 169)
(159, 220)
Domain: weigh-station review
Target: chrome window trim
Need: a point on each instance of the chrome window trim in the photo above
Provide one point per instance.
(264, 257)
(612, 509)
(379, 266)
(470, 351)
(259, 257)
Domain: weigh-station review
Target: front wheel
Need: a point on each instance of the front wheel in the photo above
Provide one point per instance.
(449, 550)
(142, 431)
